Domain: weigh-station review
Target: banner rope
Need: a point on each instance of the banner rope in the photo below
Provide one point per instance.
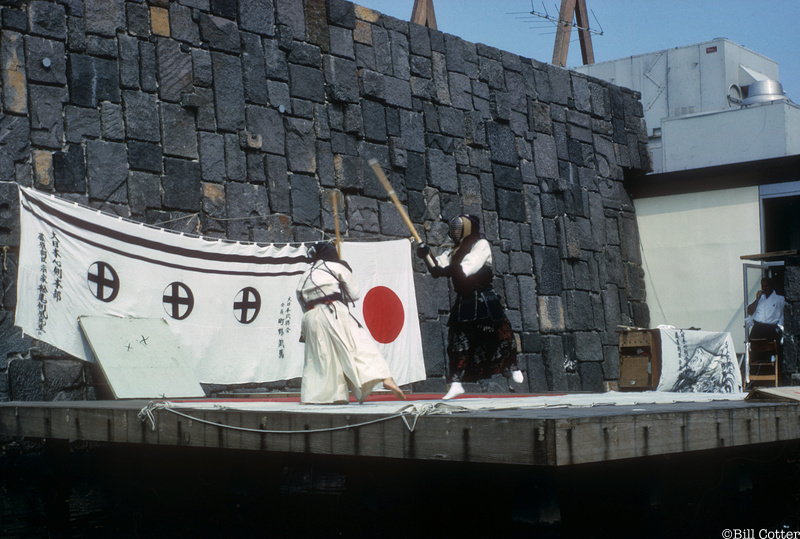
(414, 411)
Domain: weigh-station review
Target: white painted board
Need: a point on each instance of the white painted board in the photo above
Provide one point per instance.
(140, 357)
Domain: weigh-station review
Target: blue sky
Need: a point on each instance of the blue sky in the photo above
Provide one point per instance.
(629, 27)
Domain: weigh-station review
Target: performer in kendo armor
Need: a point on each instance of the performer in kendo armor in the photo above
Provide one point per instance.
(339, 353)
(480, 341)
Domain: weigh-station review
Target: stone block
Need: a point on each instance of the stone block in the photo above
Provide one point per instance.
(235, 162)
(47, 19)
(25, 380)
(544, 156)
(45, 61)
(148, 67)
(305, 196)
(442, 171)
(507, 177)
(228, 92)
(69, 170)
(220, 33)
(341, 13)
(144, 156)
(554, 358)
(276, 63)
(341, 79)
(179, 136)
(341, 42)
(42, 162)
(128, 62)
(579, 310)
(64, 380)
(46, 116)
(246, 201)
(306, 83)
(362, 214)
(551, 314)
(211, 148)
(141, 116)
(278, 183)
(416, 170)
(80, 122)
(254, 70)
(374, 117)
(400, 55)
(306, 54)
(14, 19)
(107, 171)
(257, 16)
(174, 70)
(588, 346)
(144, 192)
(202, 69)
(181, 184)
(255, 168)
(300, 145)
(591, 377)
(419, 41)
(12, 341)
(92, 80)
(459, 87)
(433, 347)
(13, 74)
(101, 46)
(510, 205)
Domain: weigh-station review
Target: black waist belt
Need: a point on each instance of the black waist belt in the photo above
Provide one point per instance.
(324, 299)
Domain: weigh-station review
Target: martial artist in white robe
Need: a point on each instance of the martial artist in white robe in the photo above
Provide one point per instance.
(339, 353)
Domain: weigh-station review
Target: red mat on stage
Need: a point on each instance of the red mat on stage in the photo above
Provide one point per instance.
(379, 397)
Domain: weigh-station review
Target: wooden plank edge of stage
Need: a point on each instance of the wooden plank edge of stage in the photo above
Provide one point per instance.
(524, 437)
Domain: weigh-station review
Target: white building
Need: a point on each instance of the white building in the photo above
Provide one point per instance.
(725, 143)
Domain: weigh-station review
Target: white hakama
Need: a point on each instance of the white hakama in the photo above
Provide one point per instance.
(339, 354)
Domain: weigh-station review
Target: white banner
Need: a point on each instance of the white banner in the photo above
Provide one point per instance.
(232, 306)
(388, 305)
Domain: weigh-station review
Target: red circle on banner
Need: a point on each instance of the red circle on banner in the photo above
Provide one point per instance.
(383, 314)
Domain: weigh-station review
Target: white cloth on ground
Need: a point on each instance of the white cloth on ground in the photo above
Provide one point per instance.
(339, 353)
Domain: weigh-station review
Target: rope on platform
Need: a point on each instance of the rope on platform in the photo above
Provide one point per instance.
(419, 410)
(415, 410)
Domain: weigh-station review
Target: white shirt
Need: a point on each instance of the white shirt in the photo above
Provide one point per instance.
(769, 310)
(480, 255)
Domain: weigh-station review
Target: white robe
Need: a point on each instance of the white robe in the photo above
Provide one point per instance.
(338, 353)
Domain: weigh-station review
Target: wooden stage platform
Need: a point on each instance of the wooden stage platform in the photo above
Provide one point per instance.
(475, 430)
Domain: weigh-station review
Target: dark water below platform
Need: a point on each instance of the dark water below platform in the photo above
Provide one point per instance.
(149, 492)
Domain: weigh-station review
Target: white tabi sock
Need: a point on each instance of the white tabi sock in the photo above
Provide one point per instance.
(456, 389)
(517, 376)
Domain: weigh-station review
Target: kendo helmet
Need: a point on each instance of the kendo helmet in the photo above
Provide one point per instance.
(463, 226)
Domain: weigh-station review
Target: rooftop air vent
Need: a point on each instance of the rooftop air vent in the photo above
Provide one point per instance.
(764, 91)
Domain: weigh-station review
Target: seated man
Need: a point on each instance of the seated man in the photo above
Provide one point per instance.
(767, 313)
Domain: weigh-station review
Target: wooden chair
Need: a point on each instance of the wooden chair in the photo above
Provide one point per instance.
(763, 362)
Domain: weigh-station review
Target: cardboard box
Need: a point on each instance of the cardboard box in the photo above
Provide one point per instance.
(634, 372)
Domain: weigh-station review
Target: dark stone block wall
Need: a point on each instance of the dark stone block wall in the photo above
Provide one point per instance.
(238, 119)
(790, 370)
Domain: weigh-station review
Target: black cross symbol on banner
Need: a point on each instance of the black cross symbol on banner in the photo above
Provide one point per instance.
(178, 300)
(103, 282)
(247, 300)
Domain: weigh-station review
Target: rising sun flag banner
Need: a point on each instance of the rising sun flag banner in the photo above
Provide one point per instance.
(388, 306)
(231, 305)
